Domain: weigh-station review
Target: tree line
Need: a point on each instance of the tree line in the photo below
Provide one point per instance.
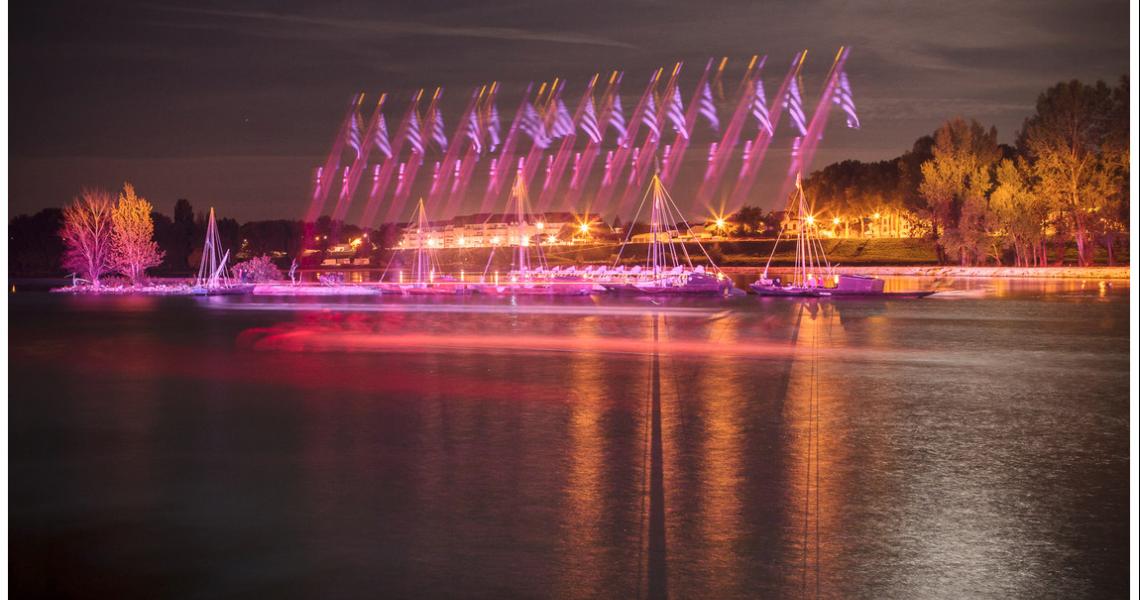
(1064, 180)
(40, 245)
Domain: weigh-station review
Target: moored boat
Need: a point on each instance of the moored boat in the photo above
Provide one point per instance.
(529, 275)
(213, 279)
(426, 279)
(813, 276)
(668, 268)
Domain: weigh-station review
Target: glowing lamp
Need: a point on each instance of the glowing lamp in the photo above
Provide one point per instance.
(540, 225)
(584, 228)
(835, 221)
(720, 223)
(876, 215)
(810, 220)
(550, 239)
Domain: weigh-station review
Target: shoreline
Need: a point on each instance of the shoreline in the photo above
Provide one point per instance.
(1118, 273)
(176, 286)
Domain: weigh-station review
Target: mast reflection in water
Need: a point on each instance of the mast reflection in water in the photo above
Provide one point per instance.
(578, 447)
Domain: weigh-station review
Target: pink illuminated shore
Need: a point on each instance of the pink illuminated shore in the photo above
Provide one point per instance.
(177, 287)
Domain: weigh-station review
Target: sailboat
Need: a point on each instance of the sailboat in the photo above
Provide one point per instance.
(529, 274)
(426, 278)
(668, 268)
(813, 275)
(212, 278)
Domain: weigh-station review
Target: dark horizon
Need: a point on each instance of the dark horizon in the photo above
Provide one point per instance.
(233, 107)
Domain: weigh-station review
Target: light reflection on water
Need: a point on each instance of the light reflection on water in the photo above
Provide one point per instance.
(972, 445)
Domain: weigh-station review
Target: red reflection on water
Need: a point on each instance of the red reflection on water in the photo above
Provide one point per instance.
(362, 333)
(157, 361)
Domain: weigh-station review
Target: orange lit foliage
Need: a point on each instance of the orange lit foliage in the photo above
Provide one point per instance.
(133, 249)
(956, 184)
(1076, 143)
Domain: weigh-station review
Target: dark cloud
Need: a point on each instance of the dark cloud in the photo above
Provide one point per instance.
(390, 28)
(231, 103)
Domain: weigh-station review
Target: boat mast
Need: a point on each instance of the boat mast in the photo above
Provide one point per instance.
(422, 260)
(811, 264)
(655, 226)
(520, 217)
(212, 270)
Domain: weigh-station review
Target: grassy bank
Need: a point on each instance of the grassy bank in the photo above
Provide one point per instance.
(903, 252)
(1091, 273)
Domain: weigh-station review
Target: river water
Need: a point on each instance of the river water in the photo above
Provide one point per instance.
(972, 444)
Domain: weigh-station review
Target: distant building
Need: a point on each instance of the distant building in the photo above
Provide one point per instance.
(339, 255)
(695, 232)
(884, 224)
(484, 230)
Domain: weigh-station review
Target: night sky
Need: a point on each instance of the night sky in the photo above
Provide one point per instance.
(233, 104)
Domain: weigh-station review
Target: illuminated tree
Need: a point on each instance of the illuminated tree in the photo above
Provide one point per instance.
(1068, 143)
(133, 249)
(1020, 212)
(1113, 220)
(86, 234)
(955, 184)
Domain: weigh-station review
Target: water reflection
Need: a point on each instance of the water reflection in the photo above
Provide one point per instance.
(574, 449)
